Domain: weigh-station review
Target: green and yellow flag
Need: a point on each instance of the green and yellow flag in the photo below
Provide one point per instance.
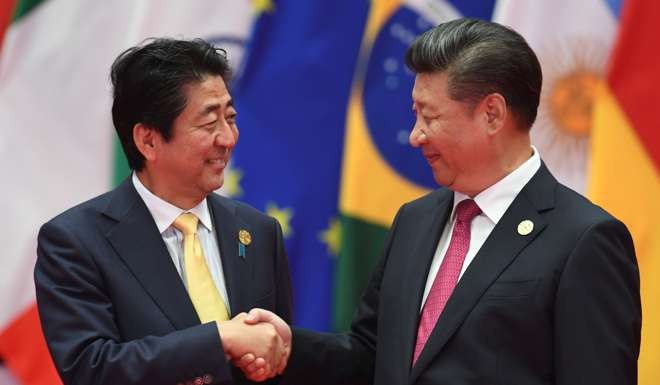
(380, 170)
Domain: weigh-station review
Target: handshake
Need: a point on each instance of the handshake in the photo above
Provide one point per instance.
(258, 342)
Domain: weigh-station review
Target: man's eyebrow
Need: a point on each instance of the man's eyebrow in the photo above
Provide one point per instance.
(213, 107)
(208, 109)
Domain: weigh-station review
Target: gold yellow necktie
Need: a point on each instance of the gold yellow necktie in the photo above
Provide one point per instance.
(201, 289)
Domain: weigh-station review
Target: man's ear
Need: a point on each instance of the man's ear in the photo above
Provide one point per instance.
(146, 140)
(493, 110)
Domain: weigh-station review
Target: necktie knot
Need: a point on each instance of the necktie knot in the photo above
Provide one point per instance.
(466, 211)
(186, 223)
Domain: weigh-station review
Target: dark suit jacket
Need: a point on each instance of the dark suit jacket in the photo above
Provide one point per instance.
(113, 307)
(558, 306)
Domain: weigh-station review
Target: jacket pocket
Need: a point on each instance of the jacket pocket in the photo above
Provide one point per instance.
(510, 290)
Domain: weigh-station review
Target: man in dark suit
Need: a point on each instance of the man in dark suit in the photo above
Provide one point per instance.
(137, 286)
(503, 276)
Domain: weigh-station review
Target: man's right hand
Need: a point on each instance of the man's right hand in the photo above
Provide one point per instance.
(252, 365)
(259, 343)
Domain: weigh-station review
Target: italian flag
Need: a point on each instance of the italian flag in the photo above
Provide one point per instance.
(57, 141)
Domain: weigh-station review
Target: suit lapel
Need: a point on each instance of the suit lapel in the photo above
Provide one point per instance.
(414, 277)
(500, 249)
(136, 239)
(236, 268)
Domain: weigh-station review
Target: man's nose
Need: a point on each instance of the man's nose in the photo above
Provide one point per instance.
(417, 137)
(227, 136)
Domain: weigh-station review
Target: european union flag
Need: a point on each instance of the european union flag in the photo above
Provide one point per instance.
(291, 98)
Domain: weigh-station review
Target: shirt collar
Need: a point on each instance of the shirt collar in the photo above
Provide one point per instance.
(164, 213)
(496, 199)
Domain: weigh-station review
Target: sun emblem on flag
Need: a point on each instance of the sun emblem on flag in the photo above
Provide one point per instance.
(571, 101)
(573, 69)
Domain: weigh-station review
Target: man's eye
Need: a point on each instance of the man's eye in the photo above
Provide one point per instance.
(428, 119)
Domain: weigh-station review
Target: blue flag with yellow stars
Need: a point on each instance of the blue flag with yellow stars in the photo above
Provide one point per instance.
(291, 97)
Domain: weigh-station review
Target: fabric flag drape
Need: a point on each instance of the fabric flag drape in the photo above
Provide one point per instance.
(380, 171)
(56, 136)
(625, 160)
(6, 13)
(572, 40)
(595, 126)
(291, 100)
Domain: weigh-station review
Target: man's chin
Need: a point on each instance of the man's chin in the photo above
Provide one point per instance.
(442, 179)
(216, 184)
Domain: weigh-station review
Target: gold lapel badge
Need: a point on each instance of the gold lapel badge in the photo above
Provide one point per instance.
(525, 227)
(245, 237)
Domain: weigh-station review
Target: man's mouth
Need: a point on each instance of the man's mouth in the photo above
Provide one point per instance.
(221, 162)
(430, 158)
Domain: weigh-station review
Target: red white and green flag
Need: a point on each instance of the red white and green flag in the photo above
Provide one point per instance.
(57, 142)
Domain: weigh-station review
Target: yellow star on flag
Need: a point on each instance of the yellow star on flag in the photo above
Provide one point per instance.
(232, 183)
(261, 6)
(332, 237)
(283, 216)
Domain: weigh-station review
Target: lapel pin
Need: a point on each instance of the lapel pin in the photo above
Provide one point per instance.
(244, 237)
(525, 227)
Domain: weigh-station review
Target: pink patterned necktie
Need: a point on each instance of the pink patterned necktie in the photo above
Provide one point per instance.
(445, 280)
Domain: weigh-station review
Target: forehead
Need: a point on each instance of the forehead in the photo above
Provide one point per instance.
(429, 87)
(212, 89)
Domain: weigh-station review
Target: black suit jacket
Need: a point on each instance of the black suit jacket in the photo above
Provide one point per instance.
(560, 305)
(113, 307)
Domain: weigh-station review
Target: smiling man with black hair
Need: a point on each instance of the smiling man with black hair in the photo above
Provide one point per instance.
(139, 285)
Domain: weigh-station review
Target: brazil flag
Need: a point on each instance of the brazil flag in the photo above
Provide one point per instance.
(380, 171)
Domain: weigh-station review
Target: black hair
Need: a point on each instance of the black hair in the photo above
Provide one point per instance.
(479, 58)
(149, 83)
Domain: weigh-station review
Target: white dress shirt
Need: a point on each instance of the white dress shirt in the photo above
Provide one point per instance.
(493, 201)
(164, 214)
